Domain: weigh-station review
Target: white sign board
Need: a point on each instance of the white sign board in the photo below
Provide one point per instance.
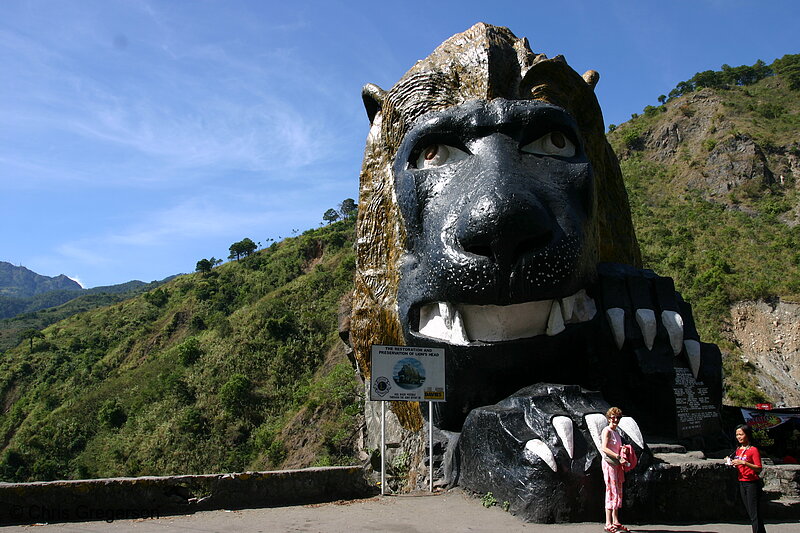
(407, 373)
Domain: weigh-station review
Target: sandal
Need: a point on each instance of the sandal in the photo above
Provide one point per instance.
(620, 527)
(611, 529)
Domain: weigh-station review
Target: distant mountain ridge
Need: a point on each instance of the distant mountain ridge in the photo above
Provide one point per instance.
(31, 300)
(19, 282)
(24, 291)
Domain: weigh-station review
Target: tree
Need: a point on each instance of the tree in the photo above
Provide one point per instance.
(662, 98)
(30, 334)
(330, 216)
(788, 68)
(248, 246)
(244, 248)
(348, 208)
(206, 265)
(203, 266)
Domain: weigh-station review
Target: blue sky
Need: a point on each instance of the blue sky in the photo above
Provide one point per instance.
(137, 137)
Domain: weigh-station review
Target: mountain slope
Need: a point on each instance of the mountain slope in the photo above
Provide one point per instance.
(19, 282)
(713, 183)
(41, 310)
(237, 369)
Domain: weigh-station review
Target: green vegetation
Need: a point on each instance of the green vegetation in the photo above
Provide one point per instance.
(44, 309)
(788, 67)
(236, 368)
(726, 247)
(727, 77)
(488, 500)
(243, 248)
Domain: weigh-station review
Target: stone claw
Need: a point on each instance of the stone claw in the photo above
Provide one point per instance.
(616, 318)
(630, 428)
(673, 323)
(646, 318)
(565, 432)
(693, 353)
(536, 448)
(595, 422)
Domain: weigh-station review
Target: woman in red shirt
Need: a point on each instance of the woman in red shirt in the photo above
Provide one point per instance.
(747, 461)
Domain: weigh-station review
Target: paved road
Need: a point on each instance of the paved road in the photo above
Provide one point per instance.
(440, 513)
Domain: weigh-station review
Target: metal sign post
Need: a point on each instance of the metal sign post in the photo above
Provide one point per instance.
(383, 447)
(430, 444)
(407, 374)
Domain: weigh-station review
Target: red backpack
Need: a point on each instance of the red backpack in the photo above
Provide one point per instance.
(627, 455)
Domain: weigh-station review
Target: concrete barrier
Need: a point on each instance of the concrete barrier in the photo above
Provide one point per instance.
(142, 497)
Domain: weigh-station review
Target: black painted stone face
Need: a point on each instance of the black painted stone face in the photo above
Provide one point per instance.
(497, 213)
(497, 197)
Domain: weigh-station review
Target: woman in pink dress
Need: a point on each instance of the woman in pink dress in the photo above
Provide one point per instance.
(613, 474)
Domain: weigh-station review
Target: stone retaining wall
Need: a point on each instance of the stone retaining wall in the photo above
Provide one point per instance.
(141, 497)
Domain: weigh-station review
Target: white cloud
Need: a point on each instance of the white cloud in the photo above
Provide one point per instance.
(77, 280)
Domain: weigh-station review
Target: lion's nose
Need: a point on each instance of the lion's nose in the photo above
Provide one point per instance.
(503, 229)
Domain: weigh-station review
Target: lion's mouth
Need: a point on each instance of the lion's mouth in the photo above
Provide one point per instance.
(463, 324)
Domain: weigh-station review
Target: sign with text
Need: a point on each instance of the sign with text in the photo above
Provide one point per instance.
(407, 374)
(695, 413)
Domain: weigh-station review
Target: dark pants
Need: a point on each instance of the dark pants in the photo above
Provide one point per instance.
(751, 496)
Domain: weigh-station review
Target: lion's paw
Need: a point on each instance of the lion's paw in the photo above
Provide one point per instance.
(538, 450)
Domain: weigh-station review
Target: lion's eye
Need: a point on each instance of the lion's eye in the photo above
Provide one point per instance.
(437, 155)
(553, 143)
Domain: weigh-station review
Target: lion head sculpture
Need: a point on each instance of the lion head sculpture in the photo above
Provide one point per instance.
(488, 194)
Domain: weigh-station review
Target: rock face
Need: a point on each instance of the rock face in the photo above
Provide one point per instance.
(769, 335)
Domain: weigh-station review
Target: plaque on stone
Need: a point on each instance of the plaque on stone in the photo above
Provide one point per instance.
(694, 411)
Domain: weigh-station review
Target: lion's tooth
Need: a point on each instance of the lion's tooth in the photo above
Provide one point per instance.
(464, 323)
(555, 322)
(491, 323)
(458, 333)
(567, 307)
(432, 323)
(445, 310)
(585, 307)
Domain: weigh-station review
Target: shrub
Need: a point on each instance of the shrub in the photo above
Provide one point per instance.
(189, 351)
(191, 420)
(632, 138)
(112, 414)
(158, 297)
(276, 452)
(235, 395)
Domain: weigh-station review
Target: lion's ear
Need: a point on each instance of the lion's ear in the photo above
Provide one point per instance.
(373, 97)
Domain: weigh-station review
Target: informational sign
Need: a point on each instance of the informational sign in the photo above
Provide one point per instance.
(407, 373)
(694, 411)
